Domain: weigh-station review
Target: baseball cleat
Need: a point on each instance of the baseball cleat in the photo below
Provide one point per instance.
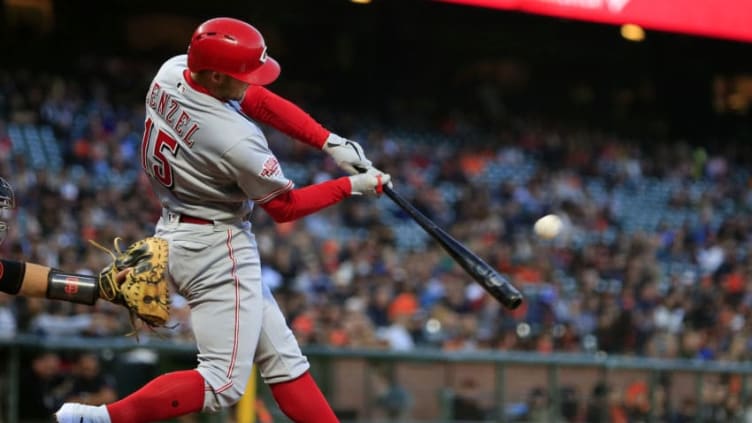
(79, 413)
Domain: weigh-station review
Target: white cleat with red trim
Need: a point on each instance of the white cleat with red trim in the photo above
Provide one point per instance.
(72, 412)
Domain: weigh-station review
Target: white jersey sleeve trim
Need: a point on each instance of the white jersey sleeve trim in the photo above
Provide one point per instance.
(268, 197)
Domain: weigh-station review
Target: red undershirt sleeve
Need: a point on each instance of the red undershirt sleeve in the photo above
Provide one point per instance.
(264, 106)
(297, 203)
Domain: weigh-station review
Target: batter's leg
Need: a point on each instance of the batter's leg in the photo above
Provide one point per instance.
(226, 308)
(285, 369)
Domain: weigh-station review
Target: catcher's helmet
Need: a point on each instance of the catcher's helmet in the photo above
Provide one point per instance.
(232, 47)
(7, 202)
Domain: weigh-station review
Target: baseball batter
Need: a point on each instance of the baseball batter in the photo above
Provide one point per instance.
(209, 163)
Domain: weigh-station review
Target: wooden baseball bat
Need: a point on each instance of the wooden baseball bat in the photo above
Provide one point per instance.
(495, 284)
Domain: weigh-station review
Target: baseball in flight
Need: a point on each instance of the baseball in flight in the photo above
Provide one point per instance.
(548, 226)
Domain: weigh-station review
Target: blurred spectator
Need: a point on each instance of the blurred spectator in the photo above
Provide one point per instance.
(686, 411)
(468, 403)
(391, 397)
(397, 334)
(42, 389)
(605, 405)
(539, 407)
(8, 325)
(56, 318)
(88, 384)
(637, 401)
(359, 330)
(570, 404)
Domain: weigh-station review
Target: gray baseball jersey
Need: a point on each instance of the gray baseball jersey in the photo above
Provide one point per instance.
(207, 160)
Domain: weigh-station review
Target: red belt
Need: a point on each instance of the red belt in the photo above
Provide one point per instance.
(195, 220)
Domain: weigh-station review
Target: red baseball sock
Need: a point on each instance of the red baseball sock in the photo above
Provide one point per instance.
(302, 401)
(170, 395)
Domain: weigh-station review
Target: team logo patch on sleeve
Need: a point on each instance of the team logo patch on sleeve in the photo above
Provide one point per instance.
(271, 168)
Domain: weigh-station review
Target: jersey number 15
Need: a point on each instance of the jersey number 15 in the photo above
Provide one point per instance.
(154, 159)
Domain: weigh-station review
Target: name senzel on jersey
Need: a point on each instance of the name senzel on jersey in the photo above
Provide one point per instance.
(169, 108)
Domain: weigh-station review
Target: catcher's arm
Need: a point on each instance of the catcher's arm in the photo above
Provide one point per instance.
(36, 280)
(136, 279)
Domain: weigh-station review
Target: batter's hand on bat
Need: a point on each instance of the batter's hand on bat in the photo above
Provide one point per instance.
(370, 182)
(348, 154)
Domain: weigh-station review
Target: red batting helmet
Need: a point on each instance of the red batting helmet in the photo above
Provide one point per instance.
(232, 47)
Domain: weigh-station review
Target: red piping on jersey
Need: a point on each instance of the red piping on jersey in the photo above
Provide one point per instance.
(224, 387)
(264, 106)
(301, 202)
(269, 196)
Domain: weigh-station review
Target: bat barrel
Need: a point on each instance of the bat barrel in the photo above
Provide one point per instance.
(494, 283)
(503, 291)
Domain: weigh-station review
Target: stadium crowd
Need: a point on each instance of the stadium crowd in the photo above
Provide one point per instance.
(654, 259)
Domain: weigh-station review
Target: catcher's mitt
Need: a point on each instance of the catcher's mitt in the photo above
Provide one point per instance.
(144, 292)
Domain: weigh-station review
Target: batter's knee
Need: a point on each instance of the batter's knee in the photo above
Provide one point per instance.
(222, 391)
(222, 398)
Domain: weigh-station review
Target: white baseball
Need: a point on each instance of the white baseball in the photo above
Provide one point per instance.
(548, 226)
